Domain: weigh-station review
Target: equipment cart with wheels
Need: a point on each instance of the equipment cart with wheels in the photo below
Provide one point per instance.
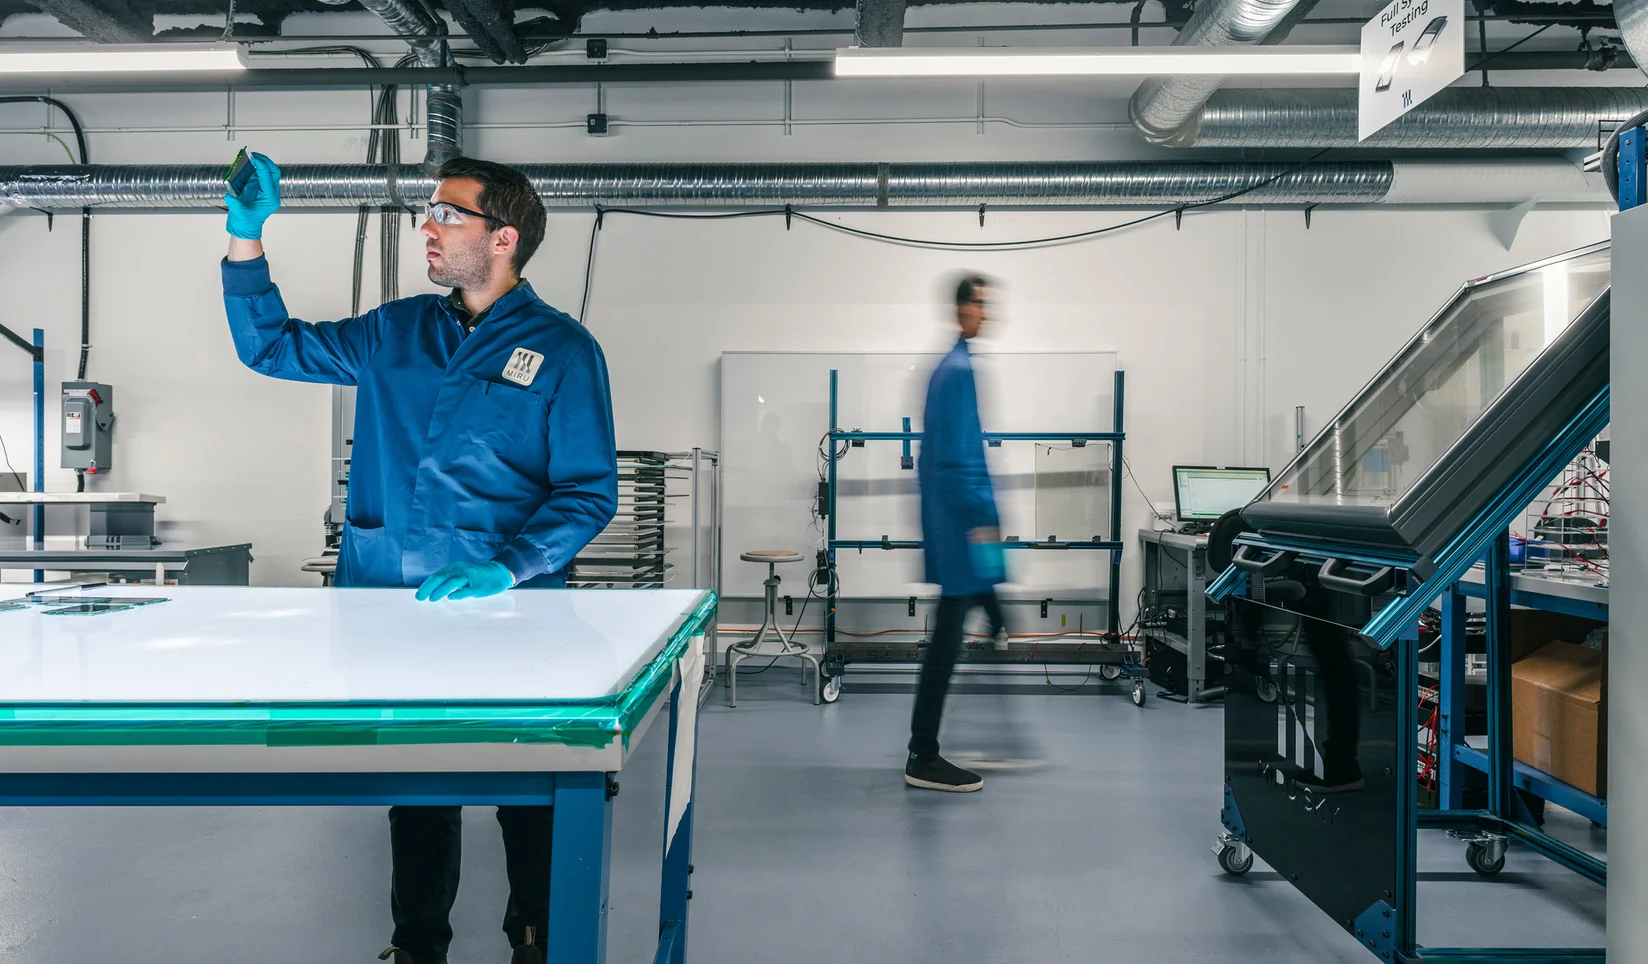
(1387, 510)
(1114, 657)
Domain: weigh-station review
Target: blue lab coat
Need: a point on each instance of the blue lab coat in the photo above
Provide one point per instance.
(454, 460)
(956, 495)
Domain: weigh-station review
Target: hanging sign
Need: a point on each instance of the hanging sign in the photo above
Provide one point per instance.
(1410, 50)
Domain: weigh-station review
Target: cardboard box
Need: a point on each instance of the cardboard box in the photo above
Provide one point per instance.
(1559, 714)
(1533, 628)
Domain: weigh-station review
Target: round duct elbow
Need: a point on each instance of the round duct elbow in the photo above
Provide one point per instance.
(1167, 114)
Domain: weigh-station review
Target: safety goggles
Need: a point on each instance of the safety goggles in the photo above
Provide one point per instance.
(447, 214)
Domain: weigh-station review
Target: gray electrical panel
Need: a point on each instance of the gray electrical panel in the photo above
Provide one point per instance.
(88, 418)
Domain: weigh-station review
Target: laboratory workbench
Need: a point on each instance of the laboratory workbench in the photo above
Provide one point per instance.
(79, 498)
(295, 697)
(195, 566)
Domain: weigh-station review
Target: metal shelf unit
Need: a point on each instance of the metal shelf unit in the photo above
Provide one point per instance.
(633, 551)
(1532, 592)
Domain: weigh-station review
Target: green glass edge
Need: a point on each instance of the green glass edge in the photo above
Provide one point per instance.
(590, 723)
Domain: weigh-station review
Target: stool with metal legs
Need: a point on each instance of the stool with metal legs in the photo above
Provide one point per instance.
(789, 648)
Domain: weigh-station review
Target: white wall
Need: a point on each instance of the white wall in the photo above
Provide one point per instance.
(1223, 326)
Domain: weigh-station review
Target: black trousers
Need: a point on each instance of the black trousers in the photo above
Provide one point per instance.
(939, 662)
(427, 844)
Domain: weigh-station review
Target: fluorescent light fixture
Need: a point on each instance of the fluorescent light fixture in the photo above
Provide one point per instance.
(120, 58)
(1093, 62)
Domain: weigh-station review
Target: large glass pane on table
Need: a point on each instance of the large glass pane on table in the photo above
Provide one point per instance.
(1506, 352)
(232, 665)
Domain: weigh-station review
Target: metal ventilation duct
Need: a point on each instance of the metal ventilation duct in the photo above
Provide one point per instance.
(863, 185)
(1559, 118)
(1632, 17)
(1163, 105)
(444, 102)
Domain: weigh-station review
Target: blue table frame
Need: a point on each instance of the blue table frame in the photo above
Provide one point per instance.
(580, 865)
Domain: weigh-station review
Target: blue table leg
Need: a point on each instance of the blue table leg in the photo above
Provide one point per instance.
(1451, 701)
(676, 885)
(579, 869)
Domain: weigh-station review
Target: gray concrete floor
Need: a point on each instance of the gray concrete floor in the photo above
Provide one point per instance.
(809, 849)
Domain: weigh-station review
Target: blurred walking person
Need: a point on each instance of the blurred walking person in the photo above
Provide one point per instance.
(961, 536)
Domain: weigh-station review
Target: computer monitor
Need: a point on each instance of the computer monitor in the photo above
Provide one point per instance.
(1203, 493)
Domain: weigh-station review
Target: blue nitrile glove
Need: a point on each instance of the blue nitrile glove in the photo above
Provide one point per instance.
(466, 580)
(247, 213)
(989, 561)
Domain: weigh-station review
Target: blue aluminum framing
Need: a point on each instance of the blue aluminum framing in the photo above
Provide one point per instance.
(1112, 545)
(581, 857)
(1451, 747)
(1633, 165)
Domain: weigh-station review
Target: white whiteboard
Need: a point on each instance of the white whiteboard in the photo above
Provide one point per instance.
(775, 411)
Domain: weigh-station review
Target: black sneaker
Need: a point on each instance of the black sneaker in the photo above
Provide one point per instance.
(528, 952)
(938, 773)
(397, 955)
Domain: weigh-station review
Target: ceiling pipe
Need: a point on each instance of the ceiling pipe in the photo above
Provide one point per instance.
(1464, 118)
(849, 185)
(540, 75)
(1162, 106)
(443, 101)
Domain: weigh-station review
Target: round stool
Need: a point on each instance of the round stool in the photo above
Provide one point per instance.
(789, 648)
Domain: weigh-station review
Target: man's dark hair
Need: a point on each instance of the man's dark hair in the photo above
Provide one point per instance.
(967, 289)
(507, 195)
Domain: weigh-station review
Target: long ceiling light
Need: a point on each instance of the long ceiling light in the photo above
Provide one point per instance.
(1094, 61)
(107, 58)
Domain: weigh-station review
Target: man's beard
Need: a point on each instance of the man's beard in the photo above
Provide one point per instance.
(465, 267)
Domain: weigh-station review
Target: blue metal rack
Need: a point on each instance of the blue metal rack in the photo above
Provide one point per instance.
(1113, 545)
(1452, 751)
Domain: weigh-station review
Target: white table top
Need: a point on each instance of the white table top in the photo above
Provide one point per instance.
(225, 645)
(77, 498)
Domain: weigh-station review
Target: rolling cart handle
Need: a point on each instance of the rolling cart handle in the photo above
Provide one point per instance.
(1331, 575)
(1278, 561)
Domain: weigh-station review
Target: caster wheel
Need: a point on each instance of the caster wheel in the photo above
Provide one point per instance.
(1138, 692)
(831, 690)
(1265, 690)
(1230, 865)
(1476, 855)
(1110, 671)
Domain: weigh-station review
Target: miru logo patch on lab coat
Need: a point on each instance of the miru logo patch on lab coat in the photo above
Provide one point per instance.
(523, 366)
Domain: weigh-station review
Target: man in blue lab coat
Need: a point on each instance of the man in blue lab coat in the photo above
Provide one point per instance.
(960, 534)
(484, 460)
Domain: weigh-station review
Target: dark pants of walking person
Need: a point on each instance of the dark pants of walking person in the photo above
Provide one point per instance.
(428, 843)
(937, 664)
